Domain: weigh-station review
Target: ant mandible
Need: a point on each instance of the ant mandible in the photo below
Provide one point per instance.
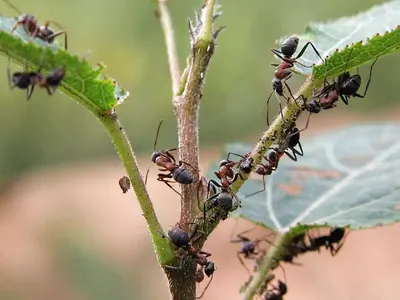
(28, 80)
(167, 162)
(34, 29)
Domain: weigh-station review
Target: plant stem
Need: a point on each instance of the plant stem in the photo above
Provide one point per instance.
(188, 106)
(264, 268)
(162, 246)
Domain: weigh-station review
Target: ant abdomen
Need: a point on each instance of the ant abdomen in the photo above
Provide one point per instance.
(21, 80)
(182, 176)
(224, 201)
(179, 237)
(351, 85)
(289, 46)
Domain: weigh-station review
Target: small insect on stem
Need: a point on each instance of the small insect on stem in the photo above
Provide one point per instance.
(124, 184)
(167, 162)
(35, 30)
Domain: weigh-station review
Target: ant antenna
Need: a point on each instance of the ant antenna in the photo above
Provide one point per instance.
(13, 7)
(154, 148)
(347, 63)
(205, 289)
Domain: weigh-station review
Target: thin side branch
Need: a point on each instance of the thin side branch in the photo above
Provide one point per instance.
(162, 246)
(166, 24)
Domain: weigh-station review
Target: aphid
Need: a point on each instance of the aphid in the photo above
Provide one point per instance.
(27, 80)
(167, 162)
(124, 184)
(34, 29)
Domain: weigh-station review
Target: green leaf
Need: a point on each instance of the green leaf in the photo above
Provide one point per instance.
(347, 177)
(84, 83)
(374, 33)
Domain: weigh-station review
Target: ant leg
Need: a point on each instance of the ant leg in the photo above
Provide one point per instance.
(260, 191)
(205, 253)
(285, 59)
(162, 177)
(333, 250)
(304, 49)
(232, 153)
(291, 94)
(56, 34)
(368, 82)
(12, 86)
(182, 162)
(29, 93)
(291, 156)
(267, 110)
(173, 267)
(344, 99)
(205, 289)
(242, 262)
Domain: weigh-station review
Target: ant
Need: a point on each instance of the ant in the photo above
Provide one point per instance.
(248, 247)
(283, 70)
(224, 198)
(182, 239)
(336, 236)
(124, 184)
(208, 270)
(34, 29)
(346, 86)
(272, 157)
(29, 79)
(167, 162)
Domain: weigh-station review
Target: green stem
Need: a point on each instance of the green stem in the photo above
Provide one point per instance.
(162, 246)
(206, 33)
(264, 268)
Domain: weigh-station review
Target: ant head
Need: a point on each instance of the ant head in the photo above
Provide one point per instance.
(155, 155)
(337, 233)
(289, 46)
(54, 78)
(22, 80)
(209, 269)
(272, 155)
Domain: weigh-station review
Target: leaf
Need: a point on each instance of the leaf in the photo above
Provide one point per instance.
(347, 177)
(84, 83)
(374, 33)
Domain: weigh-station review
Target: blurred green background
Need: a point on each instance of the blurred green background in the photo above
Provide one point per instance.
(126, 36)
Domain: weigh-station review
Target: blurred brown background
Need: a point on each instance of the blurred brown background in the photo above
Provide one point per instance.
(67, 231)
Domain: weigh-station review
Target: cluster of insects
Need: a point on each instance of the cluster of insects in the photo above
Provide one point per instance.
(27, 80)
(297, 245)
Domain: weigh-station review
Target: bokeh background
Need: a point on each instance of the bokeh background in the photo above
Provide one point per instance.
(67, 231)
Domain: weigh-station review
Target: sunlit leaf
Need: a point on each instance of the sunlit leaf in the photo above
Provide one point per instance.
(84, 83)
(347, 177)
(374, 33)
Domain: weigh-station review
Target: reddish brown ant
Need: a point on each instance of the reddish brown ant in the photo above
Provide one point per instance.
(277, 292)
(224, 198)
(34, 29)
(283, 70)
(28, 79)
(272, 158)
(167, 162)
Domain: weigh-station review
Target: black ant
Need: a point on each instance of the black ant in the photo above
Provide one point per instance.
(124, 184)
(34, 29)
(167, 162)
(29, 79)
(224, 198)
(336, 236)
(272, 158)
(248, 247)
(283, 70)
(346, 86)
